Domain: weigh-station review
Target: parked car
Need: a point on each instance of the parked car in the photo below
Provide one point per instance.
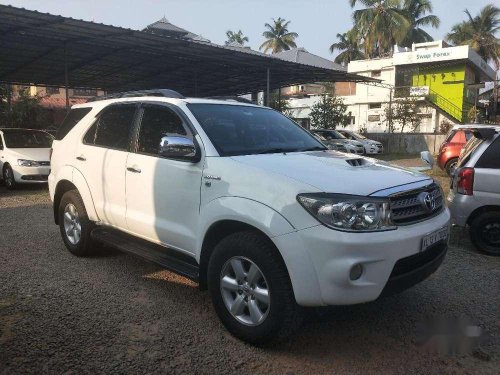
(332, 137)
(449, 151)
(244, 201)
(474, 197)
(332, 144)
(24, 156)
(371, 146)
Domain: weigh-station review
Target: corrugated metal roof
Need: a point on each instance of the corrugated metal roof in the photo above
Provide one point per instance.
(34, 47)
(301, 55)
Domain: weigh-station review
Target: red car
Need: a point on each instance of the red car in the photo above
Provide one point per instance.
(451, 147)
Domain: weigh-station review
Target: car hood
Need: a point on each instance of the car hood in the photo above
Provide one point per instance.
(334, 172)
(37, 154)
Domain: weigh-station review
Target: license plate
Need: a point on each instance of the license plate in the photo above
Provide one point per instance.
(435, 237)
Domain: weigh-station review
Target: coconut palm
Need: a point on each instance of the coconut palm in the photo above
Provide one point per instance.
(278, 38)
(416, 12)
(349, 46)
(479, 32)
(381, 24)
(236, 37)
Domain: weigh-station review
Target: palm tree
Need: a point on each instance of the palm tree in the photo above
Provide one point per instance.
(381, 25)
(416, 12)
(278, 38)
(349, 47)
(479, 32)
(237, 37)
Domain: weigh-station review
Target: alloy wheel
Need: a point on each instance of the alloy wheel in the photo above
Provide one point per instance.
(245, 291)
(72, 225)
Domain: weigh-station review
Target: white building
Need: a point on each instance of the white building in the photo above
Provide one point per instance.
(438, 76)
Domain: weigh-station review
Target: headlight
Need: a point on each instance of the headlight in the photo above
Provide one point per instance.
(349, 212)
(27, 163)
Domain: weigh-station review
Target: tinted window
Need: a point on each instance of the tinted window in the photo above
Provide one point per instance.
(113, 127)
(243, 130)
(72, 118)
(491, 156)
(18, 138)
(157, 122)
(1, 142)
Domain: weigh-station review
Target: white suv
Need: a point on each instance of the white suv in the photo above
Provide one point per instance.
(244, 201)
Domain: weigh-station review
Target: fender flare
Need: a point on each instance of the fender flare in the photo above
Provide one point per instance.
(73, 175)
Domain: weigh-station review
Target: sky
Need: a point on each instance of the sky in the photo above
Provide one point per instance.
(316, 21)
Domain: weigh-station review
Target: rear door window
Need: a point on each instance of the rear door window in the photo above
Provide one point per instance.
(491, 156)
(72, 118)
(113, 127)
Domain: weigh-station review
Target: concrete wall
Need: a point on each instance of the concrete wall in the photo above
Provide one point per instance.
(409, 143)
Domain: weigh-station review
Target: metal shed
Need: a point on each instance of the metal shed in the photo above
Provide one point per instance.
(44, 49)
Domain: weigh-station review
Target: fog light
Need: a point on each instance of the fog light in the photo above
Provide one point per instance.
(356, 272)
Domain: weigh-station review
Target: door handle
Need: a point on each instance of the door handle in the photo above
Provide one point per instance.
(81, 158)
(133, 169)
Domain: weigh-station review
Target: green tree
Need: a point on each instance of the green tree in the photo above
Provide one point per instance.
(381, 24)
(349, 48)
(329, 112)
(278, 103)
(278, 38)
(416, 11)
(23, 111)
(479, 33)
(404, 114)
(236, 37)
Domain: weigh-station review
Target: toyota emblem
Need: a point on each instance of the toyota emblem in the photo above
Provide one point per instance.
(428, 201)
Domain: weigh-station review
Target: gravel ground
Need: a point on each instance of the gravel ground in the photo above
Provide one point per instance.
(114, 313)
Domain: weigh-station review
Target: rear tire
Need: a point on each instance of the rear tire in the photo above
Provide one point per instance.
(8, 178)
(75, 225)
(485, 232)
(451, 166)
(263, 316)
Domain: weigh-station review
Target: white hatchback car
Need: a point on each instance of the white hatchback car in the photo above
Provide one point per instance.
(244, 201)
(24, 156)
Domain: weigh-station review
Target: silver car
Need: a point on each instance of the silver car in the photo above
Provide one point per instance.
(371, 146)
(474, 198)
(331, 137)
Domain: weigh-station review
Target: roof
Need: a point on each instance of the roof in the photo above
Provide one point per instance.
(300, 55)
(36, 45)
(164, 27)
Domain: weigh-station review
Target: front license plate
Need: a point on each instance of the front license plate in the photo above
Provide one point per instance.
(435, 237)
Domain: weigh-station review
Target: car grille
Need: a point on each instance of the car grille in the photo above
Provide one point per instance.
(410, 207)
(413, 262)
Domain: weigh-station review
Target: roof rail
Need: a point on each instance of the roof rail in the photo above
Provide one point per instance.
(165, 93)
(231, 98)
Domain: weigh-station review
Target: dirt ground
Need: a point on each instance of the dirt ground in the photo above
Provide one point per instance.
(113, 313)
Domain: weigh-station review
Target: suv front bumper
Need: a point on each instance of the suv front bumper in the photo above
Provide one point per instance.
(320, 260)
(28, 175)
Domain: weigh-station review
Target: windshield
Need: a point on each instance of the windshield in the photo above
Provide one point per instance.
(330, 134)
(244, 130)
(17, 138)
(358, 136)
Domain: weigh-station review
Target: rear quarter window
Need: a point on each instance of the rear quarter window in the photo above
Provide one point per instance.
(72, 118)
(491, 156)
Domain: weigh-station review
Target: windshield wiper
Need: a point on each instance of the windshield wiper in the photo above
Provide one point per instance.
(274, 151)
(315, 148)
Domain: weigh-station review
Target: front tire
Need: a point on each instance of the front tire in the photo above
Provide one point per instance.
(251, 290)
(8, 178)
(75, 225)
(485, 232)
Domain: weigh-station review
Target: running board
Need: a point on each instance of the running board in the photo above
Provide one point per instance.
(168, 258)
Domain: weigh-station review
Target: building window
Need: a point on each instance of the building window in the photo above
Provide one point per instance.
(52, 90)
(375, 106)
(84, 92)
(376, 73)
(374, 118)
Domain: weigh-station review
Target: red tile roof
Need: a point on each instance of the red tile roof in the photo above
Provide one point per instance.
(50, 102)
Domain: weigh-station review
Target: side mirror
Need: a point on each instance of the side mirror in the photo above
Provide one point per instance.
(177, 147)
(426, 156)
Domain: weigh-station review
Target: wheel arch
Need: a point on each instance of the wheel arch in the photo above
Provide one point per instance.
(481, 210)
(218, 231)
